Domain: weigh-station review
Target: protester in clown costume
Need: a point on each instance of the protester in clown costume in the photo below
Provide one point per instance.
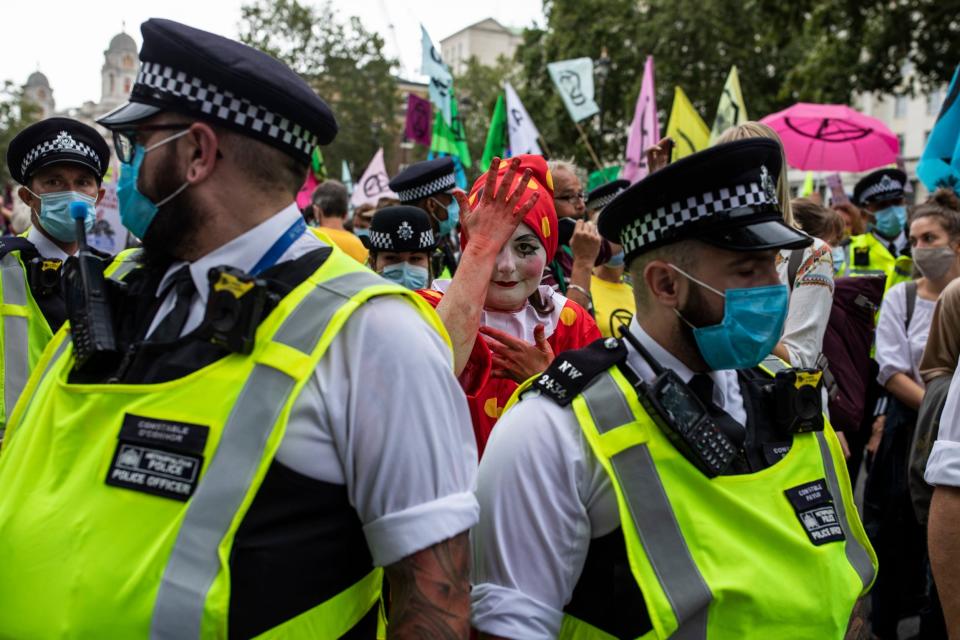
(504, 325)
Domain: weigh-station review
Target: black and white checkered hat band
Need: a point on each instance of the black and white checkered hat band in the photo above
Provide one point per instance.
(58, 145)
(224, 105)
(437, 185)
(887, 185)
(664, 220)
(383, 241)
(602, 201)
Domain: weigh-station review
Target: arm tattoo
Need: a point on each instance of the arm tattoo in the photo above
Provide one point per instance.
(430, 592)
(859, 627)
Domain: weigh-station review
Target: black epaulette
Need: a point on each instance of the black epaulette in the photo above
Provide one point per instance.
(10, 244)
(572, 371)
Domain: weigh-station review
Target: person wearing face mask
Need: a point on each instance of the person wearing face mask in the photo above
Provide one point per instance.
(248, 461)
(613, 302)
(884, 248)
(603, 516)
(401, 242)
(430, 185)
(57, 161)
(504, 324)
(902, 332)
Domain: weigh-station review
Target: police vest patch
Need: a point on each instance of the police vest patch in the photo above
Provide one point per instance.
(814, 507)
(160, 457)
(572, 371)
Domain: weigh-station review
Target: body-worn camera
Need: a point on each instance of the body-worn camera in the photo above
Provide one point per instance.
(234, 308)
(44, 276)
(798, 394)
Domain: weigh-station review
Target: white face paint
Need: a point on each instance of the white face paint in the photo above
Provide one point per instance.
(517, 271)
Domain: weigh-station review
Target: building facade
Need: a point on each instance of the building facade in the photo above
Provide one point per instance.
(486, 40)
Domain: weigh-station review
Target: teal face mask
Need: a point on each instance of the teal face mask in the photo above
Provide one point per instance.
(839, 257)
(407, 275)
(360, 233)
(55, 213)
(616, 260)
(891, 221)
(137, 211)
(752, 325)
(453, 217)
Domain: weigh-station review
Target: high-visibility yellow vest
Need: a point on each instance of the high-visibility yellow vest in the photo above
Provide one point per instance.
(729, 557)
(24, 332)
(865, 255)
(83, 555)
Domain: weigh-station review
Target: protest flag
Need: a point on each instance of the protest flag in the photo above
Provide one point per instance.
(688, 130)
(645, 129)
(496, 146)
(345, 176)
(523, 133)
(731, 111)
(574, 81)
(940, 161)
(806, 190)
(451, 141)
(602, 177)
(441, 80)
(374, 184)
(419, 117)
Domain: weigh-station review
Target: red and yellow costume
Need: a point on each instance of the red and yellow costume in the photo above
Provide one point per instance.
(566, 324)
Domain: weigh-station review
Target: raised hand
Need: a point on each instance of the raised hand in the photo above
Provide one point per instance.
(658, 156)
(498, 212)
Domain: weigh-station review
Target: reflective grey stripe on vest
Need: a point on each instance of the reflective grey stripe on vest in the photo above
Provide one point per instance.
(652, 515)
(128, 264)
(856, 553)
(194, 563)
(16, 341)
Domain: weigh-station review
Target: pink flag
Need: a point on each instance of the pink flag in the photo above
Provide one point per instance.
(305, 195)
(419, 127)
(645, 130)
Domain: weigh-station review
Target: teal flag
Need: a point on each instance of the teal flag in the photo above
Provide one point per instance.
(940, 162)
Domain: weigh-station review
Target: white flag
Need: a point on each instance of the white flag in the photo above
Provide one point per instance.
(574, 81)
(523, 133)
(374, 184)
(441, 80)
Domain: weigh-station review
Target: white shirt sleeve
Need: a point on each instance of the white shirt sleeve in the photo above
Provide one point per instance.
(893, 347)
(810, 303)
(541, 500)
(943, 466)
(385, 416)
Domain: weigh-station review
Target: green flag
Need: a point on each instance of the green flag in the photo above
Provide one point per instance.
(317, 164)
(450, 139)
(603, 176)
(497, 135)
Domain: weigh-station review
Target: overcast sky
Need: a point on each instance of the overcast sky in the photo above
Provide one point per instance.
(66, 40)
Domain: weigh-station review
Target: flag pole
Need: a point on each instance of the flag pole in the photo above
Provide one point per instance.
(593, 154)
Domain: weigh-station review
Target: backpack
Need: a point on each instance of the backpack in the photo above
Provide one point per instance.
(847, 346)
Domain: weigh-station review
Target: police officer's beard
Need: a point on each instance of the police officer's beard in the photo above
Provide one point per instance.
(696, 312)
(173, 230)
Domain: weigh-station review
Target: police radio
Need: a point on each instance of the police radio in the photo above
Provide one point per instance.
(87, 301)
(682, 417)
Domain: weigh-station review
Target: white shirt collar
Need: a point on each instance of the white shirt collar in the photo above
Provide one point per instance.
(45, 246)
(900, 242)
(243, 252)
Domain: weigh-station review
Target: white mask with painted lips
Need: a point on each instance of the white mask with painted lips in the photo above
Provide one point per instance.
(517, 271)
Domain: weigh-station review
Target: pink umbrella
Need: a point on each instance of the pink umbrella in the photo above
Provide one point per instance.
(833, 137)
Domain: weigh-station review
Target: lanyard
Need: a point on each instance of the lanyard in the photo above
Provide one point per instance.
(280, 247)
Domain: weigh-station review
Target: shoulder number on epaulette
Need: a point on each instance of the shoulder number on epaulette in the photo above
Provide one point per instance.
(572, 371)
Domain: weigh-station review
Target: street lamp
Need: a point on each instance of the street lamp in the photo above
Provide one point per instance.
(602, 71)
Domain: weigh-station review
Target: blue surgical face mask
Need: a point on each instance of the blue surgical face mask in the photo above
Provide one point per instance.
(752, 325)
(360, 233)
(453, 217)
(616, 260)
(890, 221)
(839, 257)
(408, 275)
(137, 211)
(55, 213)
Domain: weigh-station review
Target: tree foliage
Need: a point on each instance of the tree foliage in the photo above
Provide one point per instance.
(343, 62)
(16, 113)
(803, 50)
(477, 89)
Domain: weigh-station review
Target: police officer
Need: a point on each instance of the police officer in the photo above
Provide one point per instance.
(401, 242)
(650, 484)
(884, 249)
(235, 469)
(429, 185)
(57, 161)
